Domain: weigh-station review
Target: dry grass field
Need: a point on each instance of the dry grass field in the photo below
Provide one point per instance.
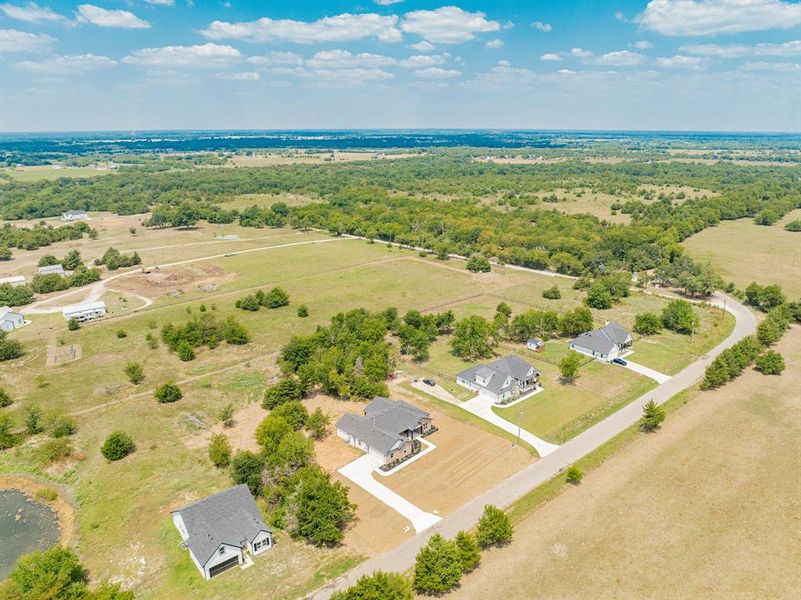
(742, 252)
(310, 158)
(708, 507)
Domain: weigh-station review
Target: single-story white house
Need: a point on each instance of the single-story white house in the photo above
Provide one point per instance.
(84, 312)
(221, 528)
(388, 430)
(13, 280)
(607, 342)
(535, 344)
(75, 215)
(502, 380)
(48, 269)
(9, 319)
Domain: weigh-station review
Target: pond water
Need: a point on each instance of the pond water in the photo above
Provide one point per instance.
(25, 526)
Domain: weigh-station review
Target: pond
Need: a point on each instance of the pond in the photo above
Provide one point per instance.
(25, 526)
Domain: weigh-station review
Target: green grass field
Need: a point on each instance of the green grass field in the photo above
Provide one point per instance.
(28, 174)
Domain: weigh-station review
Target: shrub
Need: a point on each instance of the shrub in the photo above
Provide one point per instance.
(152, 342)
(794, 226)
(135, 372)
(9, 349)
(770, 363)
(378, 586)
(185, 352)
(478, 264)
(317, 424)
(574, 475)
(647, 324)
(276, 298)
(652, 416)
(246, 467)
(62, 426)
(121, 334)
(270, 432)
(5, 399)
(167, 393)
(7, 437)
(598, 297)
(226, 415)
(494, 528)
(438, 568)
(250, 303)
(469, 553)
(552, 293)
(220, 451)
(33, 420)
(118, 445)
(73, 324)
(54, 450)
(303, 311)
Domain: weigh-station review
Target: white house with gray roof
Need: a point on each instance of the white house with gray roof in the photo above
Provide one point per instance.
(218, 530)
(50, 269)
(502, 380)
(388, 429)
(9, 319)
(607, 342)
(74, 215)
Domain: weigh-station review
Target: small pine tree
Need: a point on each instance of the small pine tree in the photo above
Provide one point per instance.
(135, 372)
(574, 475)
(121, 334)
(5, 399)
(317, 424)
(73, 324)
(185, 352)
(167, 393)
(438, 568)
(469, 553)
(226, 415)
(770, 363)
(378, 586)
(220, 451)
(33, 420)
(303, 311)
(494, 528)
(118, 445)
(552, 293)
(652, 416)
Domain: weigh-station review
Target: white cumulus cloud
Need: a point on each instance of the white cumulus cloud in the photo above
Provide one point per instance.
(550, 57)
(447, 25)
(709, 17)
(276, 58)
(30, 12)
(175, 57)
(421, 61)
(67, 65)
(643, 45)
(495, 44)
(12, 40)
(340, 28)
(792, 48)
(344, 59)
(94, 15)
(779, 67)
(244, 76)
(621, 58)
(678, 61)
(422, 46)
(161, 2)
(540, 26)
(579, 53)
(387, 2)
(437, 73)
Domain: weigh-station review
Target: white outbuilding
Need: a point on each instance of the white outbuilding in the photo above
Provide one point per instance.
(84, 312)
(74, 215)
(9, 319)
(13, 280)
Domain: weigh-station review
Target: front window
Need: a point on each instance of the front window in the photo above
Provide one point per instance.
(222, 550)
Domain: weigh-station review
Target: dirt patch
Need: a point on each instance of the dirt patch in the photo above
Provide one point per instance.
(60, 505)
(242, 435)
(159, 282)
(58, 355)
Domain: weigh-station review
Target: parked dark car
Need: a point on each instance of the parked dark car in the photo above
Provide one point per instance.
(429, 382)
(619, 361)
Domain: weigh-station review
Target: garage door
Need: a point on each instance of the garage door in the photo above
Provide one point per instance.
(223, 566)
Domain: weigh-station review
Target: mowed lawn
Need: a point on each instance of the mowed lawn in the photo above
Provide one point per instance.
(707, 507)
(742, 252)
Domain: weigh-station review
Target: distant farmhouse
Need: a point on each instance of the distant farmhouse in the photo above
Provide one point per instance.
(607, 342)
(13, 280)
(220, 529)
(535, 344)
(48, 269)
(388, 430)
(9, 319)
(84, 312)
(75, 215)
(502, 380)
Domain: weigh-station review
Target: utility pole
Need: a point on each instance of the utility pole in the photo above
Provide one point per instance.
(519, 419)
(723, 312)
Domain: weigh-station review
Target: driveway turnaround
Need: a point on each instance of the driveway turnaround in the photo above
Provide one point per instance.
(360, 472)
(482, 408)
(643, 370)
(502, 495)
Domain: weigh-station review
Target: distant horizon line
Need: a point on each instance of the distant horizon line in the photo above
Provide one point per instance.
(400, 129)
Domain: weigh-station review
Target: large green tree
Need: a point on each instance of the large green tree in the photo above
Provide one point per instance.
(473, 338)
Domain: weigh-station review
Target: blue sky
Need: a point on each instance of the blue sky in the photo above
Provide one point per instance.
(560, 64)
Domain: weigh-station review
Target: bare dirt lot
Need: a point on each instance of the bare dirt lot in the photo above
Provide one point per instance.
(708, 507)
(157, 283)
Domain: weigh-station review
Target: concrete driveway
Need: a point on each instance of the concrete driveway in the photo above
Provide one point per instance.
(643, 370)
(360, 472)
(482, 408)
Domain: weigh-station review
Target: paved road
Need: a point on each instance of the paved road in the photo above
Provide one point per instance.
(402, 557)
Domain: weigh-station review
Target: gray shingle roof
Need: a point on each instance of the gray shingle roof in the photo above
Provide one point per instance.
(50, 269)
(384, 423)
(604, 339)
(498, 371)
(229, 517)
